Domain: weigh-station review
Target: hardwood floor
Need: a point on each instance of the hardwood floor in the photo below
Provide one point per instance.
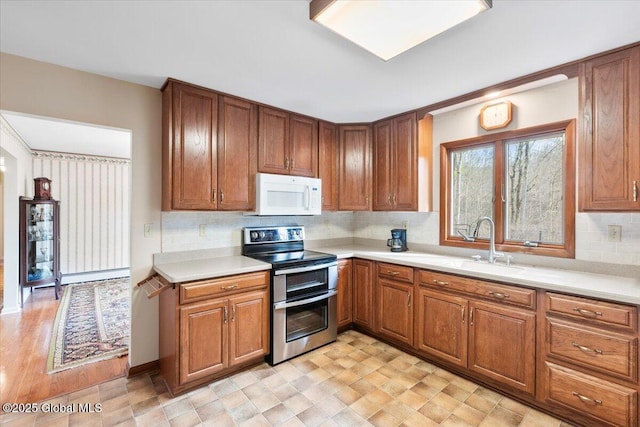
(24, 347)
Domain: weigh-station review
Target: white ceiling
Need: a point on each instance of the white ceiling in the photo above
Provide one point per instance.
(61, 136)
(269, 51)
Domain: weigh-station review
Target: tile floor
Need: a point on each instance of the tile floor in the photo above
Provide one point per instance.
(356, 381)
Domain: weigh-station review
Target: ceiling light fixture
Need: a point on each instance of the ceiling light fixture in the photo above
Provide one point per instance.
(387, 28)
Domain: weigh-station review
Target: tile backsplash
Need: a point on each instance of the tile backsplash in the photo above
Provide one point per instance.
(222, 230)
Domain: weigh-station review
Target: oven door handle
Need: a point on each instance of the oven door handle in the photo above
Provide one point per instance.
(304, 269)
(283, 305)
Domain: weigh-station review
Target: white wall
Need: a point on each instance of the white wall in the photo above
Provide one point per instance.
(548, 104)
(94, 209)
(17, 182)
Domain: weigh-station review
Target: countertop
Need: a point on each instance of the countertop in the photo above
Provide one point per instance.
(185, 270)
(179, 267)
(613, 288)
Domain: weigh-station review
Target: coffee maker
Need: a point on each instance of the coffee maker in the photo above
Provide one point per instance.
(398, 240)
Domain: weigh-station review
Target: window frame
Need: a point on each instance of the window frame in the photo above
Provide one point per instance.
(498, 140)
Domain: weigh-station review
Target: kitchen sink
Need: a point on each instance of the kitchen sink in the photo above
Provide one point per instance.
(485, 267)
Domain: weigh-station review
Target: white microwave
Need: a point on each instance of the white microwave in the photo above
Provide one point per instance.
(287, 195)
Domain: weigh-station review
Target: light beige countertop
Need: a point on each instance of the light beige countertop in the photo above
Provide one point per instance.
(179, 267)
(609, 287)
(187, 266)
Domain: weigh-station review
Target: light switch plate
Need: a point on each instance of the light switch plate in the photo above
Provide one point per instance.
(614, 233)
(147, 230)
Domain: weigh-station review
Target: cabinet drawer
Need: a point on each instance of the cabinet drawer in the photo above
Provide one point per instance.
(197, 291)
(492, 291)
(607, 402)
(596, 312)
(395, 272)
(606, 352)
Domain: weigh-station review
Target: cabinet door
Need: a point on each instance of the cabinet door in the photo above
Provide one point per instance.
(203, 339)
(405, 163)
(237, 147)
(354, 168)
(502, 344)
(363, 293)
(303, 146)
(442, 326)
(345, 274)
(273, 141)
(610, 142)
(395, 310)
(248, 327)
(194, 167)
(328, 165)
(382, 166)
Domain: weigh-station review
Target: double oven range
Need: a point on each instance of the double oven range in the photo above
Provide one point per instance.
(303, 290)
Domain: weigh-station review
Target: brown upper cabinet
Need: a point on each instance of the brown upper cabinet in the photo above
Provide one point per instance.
(354, 168)
(610, 135)
(328, 165)
(395, 160)
(208, 151)
(288, 143)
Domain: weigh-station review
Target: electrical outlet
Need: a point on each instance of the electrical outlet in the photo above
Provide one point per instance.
(203, 230)
(614, 233)
(147, 230)
(404, 224)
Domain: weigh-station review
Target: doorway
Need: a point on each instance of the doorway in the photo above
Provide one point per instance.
(89, 167)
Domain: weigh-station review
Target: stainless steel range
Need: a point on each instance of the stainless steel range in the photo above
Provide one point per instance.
(303, 290)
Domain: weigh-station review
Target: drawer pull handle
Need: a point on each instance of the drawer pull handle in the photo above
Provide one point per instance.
(230, 287)
(225, 315)
(463, 315)
(498, 295)
(408, 299)
(586, 349)
(233, 313)
(586, 399)
(589, 313)
(441, 283)
(393, 273)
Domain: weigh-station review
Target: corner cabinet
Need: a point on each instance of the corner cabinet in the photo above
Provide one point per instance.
(609, 159)
(354, 168)
(39, 244)
(208, 151)
(395, 160)
(211, 328)
(288, 143)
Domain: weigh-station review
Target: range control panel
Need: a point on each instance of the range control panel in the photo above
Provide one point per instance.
(254, 235)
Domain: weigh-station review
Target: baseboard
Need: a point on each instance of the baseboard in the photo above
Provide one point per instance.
(95, 275)
(145, 368)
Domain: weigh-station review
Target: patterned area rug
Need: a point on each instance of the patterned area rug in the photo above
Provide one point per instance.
(92, 324)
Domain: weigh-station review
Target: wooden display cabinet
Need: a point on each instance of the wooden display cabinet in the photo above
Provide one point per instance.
(39, 244)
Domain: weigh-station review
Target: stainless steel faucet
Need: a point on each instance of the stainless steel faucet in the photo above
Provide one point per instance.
(492, 239)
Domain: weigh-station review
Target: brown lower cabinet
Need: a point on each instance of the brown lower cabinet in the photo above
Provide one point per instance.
(492, 339)
(363, 275)
(574, 357)
(345, 291)
(589, 366)
(211, 328)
